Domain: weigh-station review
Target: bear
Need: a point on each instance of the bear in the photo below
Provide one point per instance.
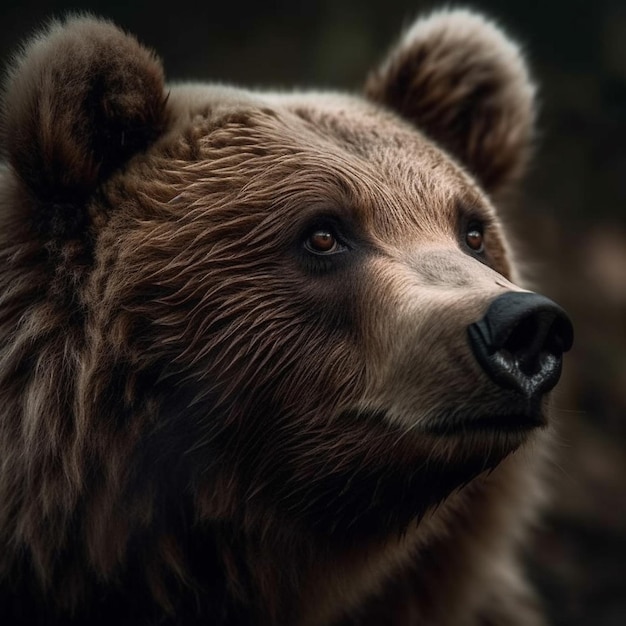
(265, 356)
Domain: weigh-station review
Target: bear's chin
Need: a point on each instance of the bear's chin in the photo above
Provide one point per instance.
(376, 503)
(389, 478)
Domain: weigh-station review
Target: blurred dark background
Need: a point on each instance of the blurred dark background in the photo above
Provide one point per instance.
(570, 219)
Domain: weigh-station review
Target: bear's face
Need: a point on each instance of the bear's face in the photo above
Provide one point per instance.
(271, 291)
(302, 280)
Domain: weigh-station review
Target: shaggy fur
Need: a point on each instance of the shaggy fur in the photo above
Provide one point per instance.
(204, 421)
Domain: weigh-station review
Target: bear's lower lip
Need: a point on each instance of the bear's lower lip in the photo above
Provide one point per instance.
(491, 423)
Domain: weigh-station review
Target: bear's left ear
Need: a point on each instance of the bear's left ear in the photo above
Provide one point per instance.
(458, 78)
(81, 99)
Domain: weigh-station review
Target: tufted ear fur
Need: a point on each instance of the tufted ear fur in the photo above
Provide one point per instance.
(464, 83)
(81, 99)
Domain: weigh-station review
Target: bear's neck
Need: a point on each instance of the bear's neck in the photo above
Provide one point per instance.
(303, 580)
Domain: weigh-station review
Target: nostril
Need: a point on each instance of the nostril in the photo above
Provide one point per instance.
(520, 340)
(532, 337)
(521, 344)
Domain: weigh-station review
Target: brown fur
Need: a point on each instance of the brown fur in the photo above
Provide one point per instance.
(199, 422)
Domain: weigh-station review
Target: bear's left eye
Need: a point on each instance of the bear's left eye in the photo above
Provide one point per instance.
(322, 241)
(475, 237)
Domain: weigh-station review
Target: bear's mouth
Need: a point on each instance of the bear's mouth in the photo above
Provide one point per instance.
(506, 420)
(516, 417)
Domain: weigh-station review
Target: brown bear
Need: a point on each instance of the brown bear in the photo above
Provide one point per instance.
(263, 359)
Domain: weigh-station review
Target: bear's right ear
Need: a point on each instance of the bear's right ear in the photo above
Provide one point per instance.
(81, 99)
(460, 79)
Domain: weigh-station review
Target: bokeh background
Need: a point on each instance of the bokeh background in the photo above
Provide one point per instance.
(570, 219)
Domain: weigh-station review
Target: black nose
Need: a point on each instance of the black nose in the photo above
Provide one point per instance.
(520, 341)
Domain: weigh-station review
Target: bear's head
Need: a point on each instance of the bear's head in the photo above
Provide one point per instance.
(260, 310)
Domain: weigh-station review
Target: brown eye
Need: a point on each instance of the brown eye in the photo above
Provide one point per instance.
(322, 241)
(475, 238)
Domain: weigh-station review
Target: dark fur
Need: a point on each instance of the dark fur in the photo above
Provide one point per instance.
(183, 427)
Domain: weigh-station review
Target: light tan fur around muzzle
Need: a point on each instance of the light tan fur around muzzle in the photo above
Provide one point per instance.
(420, 339)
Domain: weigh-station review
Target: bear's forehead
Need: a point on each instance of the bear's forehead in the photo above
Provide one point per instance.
(319, 149)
